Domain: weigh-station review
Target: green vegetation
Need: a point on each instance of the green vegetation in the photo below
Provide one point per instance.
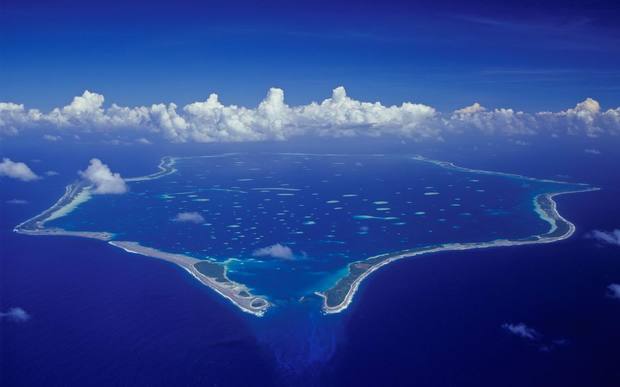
(212, 270)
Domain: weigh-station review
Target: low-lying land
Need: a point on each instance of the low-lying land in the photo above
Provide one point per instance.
(209, 273)
(339, 297)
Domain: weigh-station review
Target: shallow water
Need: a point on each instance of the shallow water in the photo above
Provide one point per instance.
(320, 212)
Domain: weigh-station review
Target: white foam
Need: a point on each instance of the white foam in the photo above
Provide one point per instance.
(369, 217)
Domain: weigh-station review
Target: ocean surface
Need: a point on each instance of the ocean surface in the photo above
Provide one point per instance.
(100, 316)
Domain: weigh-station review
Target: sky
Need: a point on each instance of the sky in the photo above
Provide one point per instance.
(527, 55)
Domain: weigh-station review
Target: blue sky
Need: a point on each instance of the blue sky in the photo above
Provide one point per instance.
(522, 54)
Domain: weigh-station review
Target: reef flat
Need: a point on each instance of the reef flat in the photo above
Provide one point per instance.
(75, 193)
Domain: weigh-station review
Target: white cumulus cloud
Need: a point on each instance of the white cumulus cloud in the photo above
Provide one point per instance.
(522, 331)
(190, 217)
(16, 170)
(273, 119)
(104, 181)
(51, 137)
(15, 315)
(275, 251)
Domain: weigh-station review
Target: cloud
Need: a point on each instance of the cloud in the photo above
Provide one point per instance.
(534, 337)
(275, 251)
(191, 217)
(51, 137)
(610, 237)
(522, 331)
(614, 291)
(479, 119)
(273, 119)
(16, 170)
(592, 151)
(472, 109)
(17, 201)
(103, 179)
(521, 143)
(15, 315)
(143, 141)
(51, 173)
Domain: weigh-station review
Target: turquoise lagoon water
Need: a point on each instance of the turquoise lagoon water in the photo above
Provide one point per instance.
(329, 210)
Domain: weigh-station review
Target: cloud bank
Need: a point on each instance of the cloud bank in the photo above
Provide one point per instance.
(522, 331)
(609, 237)
(15, 315)
(190, 217)
(16, 170)
(275, 251)
(273, 119)
(105, 182)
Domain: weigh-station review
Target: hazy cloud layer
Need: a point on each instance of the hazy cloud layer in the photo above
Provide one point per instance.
(103, 179)
(275, 251)
(534, 337)
(15, 315)
(16, 170)
(17, 201)
(609, 237)
(273, 119)
(50, 137)
(614, 291)
(190, 217)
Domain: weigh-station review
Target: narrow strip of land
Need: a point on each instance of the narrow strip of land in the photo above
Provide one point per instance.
(339, 297)
(166, 167)
(209, 273)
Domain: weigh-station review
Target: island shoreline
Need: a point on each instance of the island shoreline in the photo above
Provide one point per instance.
(227, 288)
(241, 296)
(550, 216)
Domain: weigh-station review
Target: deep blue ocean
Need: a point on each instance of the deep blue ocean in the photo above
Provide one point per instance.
(102, 317)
